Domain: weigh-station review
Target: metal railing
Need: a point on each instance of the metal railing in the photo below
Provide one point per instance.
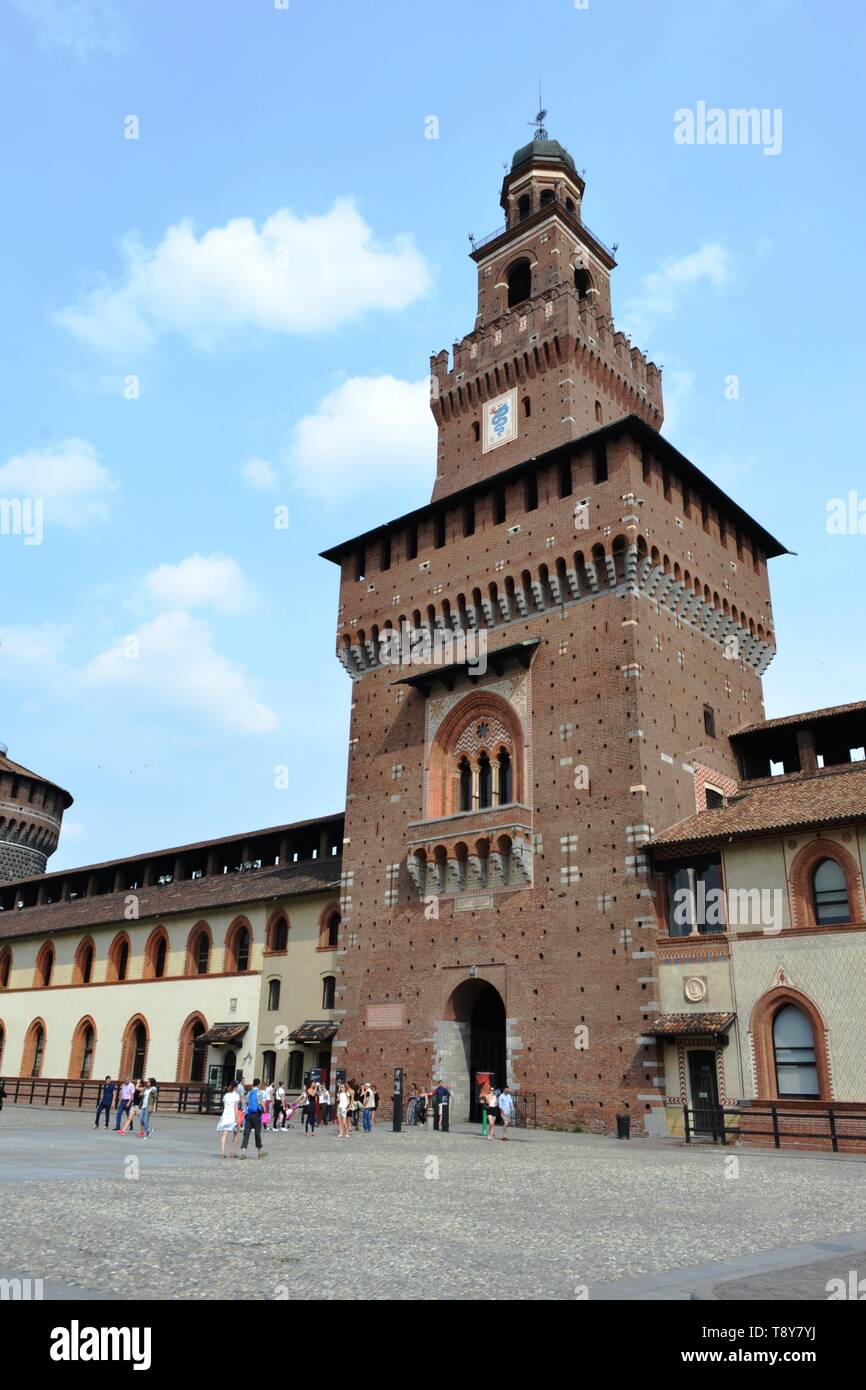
(712, 1121)
(479, 242)
(185, 1097)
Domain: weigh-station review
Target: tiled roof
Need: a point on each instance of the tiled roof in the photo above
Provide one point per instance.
(7, 765)
(785, 803)
(224, 1033)
(793, 720)
(688, 1025)
(189, 895)
(172, 851)
(313, 1031)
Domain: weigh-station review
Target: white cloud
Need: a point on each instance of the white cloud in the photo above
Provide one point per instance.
(68, 477)
(201, 581)
(662, 291)
(81, 27)
(370, 431)
(293, 275)
(678, 387)
(260, 474)
(173, 659)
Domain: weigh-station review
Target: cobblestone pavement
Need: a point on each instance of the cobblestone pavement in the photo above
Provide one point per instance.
(416, 1215)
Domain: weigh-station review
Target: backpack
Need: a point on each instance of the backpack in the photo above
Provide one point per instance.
(253, 1106)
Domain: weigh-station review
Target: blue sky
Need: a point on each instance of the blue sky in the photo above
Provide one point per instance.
(233, 313)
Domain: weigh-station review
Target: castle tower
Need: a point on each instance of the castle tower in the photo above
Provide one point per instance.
(544, 363)
(31, 810)
(546, 661)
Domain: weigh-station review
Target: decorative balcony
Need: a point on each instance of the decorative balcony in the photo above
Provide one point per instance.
(472, 852)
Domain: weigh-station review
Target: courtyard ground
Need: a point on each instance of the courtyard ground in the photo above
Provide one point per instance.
(417, 1215)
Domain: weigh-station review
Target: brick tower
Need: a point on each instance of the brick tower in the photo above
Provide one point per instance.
(31, 810)
(546, 662)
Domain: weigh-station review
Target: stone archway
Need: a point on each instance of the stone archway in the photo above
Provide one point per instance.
(472, 1038)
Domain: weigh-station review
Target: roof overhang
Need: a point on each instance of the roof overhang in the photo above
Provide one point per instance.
(519, 652)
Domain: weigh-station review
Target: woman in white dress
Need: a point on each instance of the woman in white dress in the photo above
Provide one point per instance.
(343, 1112)
(230, 1121)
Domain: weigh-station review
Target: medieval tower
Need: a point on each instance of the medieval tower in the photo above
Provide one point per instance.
(546, 661)
(31, 810)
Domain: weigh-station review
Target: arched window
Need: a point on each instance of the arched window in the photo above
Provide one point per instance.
(84, 963)
(524, 206)
(269, 1067)
(118, 958)
(44, 967)
(794, 1052)
(476, 432)
(485, 781)
(83, 1048)
(238, 947)
(547, 197)
(830, 894)
(133, 1057)
(192, 1049)
(201, 953)
(582, 282)
(329, 928)
(5, 966)
(569, 205)
(465, 785)
(278, 935)
(519, 282)
(273, 995)
(328, 991)
(34, 1049)
(156, 954)
(527, 407)
(503, 763)
(598, 414)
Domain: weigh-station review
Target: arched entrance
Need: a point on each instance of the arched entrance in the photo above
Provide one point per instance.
(472, 1040)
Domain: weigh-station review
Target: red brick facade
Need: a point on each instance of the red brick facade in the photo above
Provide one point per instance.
(621, 596)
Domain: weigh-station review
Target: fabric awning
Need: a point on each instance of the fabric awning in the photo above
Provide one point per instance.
(673, 1026)
(314, 1031)
(222, 1033)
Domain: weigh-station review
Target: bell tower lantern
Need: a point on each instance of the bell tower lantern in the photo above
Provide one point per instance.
(544, 363)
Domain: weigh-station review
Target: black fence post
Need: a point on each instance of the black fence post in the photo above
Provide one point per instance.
(833, 1136)
(686, 1119)
(776, 1139)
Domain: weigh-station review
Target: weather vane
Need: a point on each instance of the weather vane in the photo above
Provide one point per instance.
(540, 132)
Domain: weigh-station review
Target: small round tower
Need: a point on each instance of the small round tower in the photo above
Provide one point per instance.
(31, 810)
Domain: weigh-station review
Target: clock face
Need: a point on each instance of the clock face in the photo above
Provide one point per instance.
(695, 989)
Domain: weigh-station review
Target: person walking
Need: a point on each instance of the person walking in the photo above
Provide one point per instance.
(492, 1107)
(506, 1110)
(343, 1111)
(310, 1109)
(441, 1096)
(279, 1110)
(3, 1094)
(105, 1102)
(134, 1107)
(325, 1106)
(127, 1091)
(375, 1105)
(253, 1120)
(368, 1102)
(230, 1121)
(148, 1105)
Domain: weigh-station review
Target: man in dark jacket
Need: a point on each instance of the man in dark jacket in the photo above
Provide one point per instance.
(106, 1100)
